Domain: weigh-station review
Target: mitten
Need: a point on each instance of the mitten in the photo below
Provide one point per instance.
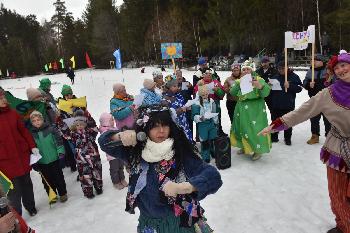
(35, 151)
(128, 137)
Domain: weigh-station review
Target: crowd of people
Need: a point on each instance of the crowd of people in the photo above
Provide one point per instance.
(151, 135)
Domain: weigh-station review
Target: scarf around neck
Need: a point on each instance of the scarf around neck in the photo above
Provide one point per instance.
(155, 152)
(126, 98)
(340, 93)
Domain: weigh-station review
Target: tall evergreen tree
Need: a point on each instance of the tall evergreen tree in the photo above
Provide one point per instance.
(58, 21)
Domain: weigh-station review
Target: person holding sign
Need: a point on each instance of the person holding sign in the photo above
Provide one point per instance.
(250, 115)
(313, 87)
(283, 102)
(334, 103)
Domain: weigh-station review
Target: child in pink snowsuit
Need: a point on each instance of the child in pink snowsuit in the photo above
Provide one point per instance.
(116, 166)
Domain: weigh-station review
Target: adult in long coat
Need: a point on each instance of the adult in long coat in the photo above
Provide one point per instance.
(16, 145)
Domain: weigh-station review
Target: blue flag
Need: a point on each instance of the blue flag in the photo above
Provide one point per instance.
(118, 60)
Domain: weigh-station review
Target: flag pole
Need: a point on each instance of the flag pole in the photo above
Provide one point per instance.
(313, 63)
(285, 66)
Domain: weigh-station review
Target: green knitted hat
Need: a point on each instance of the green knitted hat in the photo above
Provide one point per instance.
(66, 90)
(45, 84)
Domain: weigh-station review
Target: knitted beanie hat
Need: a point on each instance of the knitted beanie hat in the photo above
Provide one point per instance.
(201, 61)
(170, 83)
(156, 73)
(106, 120)
(117, 87)
(66, 90)
(33, 93)
(45, 84)
(342, 57)
(36, 114)
(148, 84)
(320, 57)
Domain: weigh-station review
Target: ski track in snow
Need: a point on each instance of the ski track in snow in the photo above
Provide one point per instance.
(283, 192)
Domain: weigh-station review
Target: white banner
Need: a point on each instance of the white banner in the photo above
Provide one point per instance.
(300, 40)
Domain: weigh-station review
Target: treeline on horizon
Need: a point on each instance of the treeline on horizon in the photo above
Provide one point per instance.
(137, 27)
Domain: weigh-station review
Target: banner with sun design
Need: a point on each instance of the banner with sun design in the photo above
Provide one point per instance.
(171, 50)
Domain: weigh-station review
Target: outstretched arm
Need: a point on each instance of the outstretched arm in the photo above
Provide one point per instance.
(307, 110)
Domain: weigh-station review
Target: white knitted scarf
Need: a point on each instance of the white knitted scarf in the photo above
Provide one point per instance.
(155, 152)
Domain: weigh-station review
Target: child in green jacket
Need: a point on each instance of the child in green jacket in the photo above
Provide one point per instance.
(51, 148)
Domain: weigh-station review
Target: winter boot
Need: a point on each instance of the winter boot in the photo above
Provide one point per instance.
(255, 156)
(119, 186)
(288, 141)
(99, 191)
(240, 152)
(335, 230)
(63, 198)
(32, 212)
(274, 137)
(53, 201)
(314, 139)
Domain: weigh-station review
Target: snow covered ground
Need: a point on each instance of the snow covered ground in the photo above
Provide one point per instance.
(283, 192)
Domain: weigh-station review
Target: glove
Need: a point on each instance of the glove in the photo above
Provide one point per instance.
(128, 137)
(35, 151)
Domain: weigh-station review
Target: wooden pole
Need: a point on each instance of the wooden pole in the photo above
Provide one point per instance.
(285, 66)
(174, 66)
(313, 63)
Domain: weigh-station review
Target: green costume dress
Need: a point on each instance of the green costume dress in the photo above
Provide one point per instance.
(249, 119)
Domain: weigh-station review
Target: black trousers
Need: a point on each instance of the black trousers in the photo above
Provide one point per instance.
(268, 102)
(116, 170)
(22, 192)
(315, 124)
(218, 110)
(54, 176)
(230, 105)
(69, 156)
(276, 113)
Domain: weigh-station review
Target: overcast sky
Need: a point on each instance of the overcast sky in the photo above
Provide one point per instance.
(44, 9)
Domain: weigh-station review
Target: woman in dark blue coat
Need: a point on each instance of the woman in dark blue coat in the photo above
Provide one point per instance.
(167, 177)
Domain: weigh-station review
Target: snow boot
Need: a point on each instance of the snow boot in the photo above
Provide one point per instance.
(288, 142)
(63, 198)
(240, 152)
(255, 156)
(314, 139)
(335, 230)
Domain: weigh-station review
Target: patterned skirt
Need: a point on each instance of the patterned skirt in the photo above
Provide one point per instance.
(169, 224)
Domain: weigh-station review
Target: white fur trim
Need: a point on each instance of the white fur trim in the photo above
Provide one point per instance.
(155, 152)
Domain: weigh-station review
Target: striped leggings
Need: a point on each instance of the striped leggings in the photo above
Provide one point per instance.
(339, 193)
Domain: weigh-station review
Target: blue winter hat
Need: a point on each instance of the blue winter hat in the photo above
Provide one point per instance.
(201, 61)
